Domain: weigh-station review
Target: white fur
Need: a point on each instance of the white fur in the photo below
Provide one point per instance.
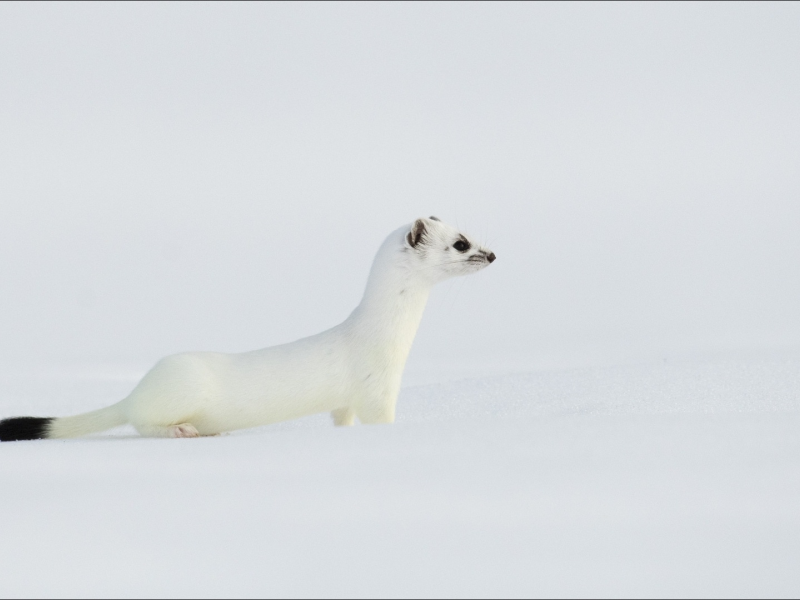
(352, 370)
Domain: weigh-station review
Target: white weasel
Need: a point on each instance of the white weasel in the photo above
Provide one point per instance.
(352, 370)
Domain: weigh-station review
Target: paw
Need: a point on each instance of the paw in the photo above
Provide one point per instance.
(343, 417)
(184, 430)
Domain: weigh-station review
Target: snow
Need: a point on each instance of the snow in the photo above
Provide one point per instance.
(662, 479)
(218, 176)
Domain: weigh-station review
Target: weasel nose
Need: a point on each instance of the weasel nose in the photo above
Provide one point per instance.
(491, 257)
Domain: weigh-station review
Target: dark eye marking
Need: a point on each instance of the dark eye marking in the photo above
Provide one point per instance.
(461, 245)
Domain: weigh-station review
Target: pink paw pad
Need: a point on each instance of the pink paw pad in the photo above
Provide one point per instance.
(184, 430)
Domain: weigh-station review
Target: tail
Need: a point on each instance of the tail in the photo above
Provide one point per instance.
(39, 428)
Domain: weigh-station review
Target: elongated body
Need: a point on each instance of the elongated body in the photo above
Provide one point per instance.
(352, 370)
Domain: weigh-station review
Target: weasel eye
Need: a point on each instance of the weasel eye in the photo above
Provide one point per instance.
(461, 246)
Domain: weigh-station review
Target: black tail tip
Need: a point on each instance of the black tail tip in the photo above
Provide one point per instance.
(24, 428)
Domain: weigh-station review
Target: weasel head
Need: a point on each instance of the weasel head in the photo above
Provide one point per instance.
(439, 251)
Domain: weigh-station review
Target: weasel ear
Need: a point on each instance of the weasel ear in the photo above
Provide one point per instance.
(414, 236)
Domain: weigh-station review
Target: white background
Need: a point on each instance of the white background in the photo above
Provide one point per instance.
(217, 177)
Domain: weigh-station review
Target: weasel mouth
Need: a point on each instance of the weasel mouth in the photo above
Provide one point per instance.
(482, 259)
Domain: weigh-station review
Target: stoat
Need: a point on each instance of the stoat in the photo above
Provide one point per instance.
(352, 370)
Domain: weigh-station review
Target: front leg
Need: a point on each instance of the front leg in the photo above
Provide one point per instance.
(376, 413)
(378, 403)
(343, 417)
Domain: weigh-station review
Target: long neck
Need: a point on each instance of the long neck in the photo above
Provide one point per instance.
(390, 312)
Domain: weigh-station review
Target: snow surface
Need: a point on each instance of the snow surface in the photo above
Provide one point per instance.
(668, 479)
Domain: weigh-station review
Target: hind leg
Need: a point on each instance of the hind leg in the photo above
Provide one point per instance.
(182, 430)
